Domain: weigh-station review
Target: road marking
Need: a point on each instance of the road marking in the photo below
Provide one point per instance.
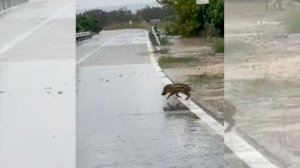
(94, 51)
(97, 49)
(243, 150)
(32, 30)
(252, 157)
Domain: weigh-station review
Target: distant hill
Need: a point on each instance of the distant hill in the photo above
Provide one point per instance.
(133, 7)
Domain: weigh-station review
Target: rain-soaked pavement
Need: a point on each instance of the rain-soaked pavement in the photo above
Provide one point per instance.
(124, 122)
(37, 85)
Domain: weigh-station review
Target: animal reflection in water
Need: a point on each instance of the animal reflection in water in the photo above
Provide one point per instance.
(175, 89)
(174, 105)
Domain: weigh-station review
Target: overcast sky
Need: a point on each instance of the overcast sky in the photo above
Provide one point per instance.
(105, 3)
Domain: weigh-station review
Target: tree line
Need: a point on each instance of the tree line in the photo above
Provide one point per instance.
(191, 18)
(96, 19)
(183, 17)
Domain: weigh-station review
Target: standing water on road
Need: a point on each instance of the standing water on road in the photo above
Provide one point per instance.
(121, 121)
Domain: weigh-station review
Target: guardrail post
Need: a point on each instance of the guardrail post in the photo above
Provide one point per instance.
(82, 36)
(155, 35)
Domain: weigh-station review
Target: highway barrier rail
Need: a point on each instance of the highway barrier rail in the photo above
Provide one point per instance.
(82, 36)
(5, 4)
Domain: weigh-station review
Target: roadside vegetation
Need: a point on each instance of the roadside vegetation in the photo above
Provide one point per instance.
(169, 61)
(138, 25)
(95, 20)
(219, 45)
(164, 40)
(204, 78)
(88, 22)
(189, 18)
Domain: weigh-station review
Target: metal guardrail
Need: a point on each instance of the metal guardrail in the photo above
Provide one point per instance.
(5, 4)
(82, 36)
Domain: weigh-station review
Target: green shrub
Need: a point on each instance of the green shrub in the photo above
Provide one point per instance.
(219, 46)
(164, 41)
(169, 61)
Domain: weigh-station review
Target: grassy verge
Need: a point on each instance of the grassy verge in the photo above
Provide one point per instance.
(141, 25)
(203, 78)
(164, 41)
(162, 26)
(219, 45)
(206, 81)
(169, 62)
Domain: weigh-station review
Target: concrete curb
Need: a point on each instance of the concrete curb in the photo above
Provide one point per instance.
(246, 151)
(272, 158)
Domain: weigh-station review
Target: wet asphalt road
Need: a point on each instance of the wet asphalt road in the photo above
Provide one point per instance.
(124, 122)
(37, 85)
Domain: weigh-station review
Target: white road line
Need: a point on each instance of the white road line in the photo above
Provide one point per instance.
(96, 50)
(32, 30)
(252, 157)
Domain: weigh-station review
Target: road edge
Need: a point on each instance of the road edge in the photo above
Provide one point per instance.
(240, 147)
(193, 107)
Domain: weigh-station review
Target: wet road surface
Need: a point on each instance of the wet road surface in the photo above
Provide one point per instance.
(50, 22)
(123, 121)
(37, 85)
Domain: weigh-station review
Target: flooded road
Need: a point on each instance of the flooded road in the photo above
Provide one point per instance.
(121, 121)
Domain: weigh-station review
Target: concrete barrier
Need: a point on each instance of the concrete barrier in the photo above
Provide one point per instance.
(82, 36)
(5, 4)
(155, 35)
